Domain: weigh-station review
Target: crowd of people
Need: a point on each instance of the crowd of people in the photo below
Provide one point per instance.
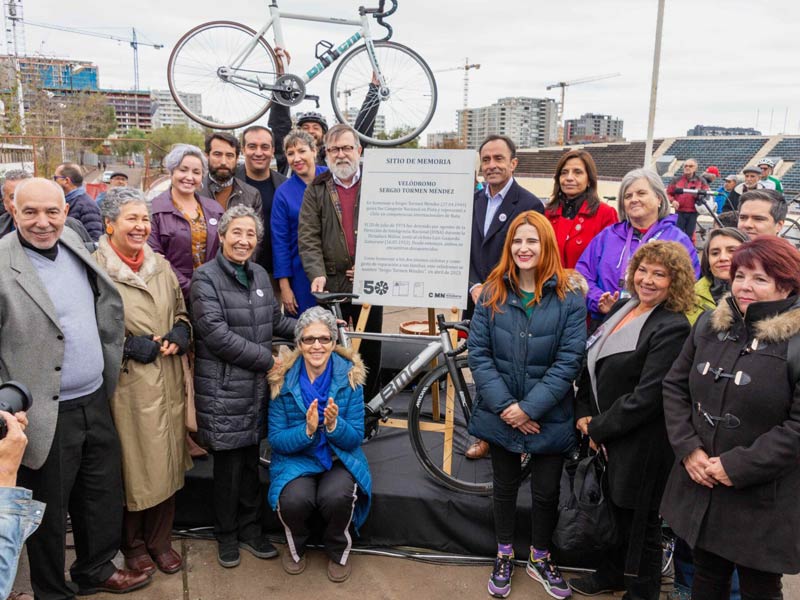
(143, 328)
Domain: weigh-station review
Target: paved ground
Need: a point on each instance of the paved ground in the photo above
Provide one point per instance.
(374, 577)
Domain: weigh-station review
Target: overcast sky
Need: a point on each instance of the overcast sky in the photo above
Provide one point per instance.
(724, 62)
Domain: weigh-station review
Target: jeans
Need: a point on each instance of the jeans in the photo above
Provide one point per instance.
(20, 515)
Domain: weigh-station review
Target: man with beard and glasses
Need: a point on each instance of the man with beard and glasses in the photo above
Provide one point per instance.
(222, 151)
(326, 236)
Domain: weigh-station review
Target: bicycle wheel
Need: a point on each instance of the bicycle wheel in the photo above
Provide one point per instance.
(399, 113)
(791, 232)
(227, 100)
(441, 456)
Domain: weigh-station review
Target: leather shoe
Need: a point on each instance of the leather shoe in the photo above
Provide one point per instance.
(478, 450)
(339, 573)
(142, 563)
(15, 595)
(169, 562)
(121, 582)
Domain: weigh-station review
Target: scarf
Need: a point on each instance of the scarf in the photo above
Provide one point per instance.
(215, 186)
(134, 263)
(570, 207)
(719, 287)
(318, 391)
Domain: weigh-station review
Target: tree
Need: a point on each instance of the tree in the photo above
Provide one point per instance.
(163, 138)
(399, 132)
(128, 145)
(86, 115)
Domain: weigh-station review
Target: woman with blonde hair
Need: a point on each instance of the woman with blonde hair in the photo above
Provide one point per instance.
(526, 346)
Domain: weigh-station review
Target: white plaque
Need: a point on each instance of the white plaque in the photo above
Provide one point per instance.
(414, 227)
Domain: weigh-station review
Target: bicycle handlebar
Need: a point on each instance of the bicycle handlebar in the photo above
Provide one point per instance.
(380, 14)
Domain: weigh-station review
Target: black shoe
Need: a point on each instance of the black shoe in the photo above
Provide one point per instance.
(591, 585)
(228, 555)
(259, 547)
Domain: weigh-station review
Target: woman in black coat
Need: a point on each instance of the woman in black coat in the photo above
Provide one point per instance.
(619, 406)
(234, 314)
(732, 408)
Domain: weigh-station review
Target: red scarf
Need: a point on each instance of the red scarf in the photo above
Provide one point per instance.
(134, 263)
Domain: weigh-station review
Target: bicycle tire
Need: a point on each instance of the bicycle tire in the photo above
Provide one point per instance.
(791, 231)
(411, 99)
(193, 68)
(466, 476)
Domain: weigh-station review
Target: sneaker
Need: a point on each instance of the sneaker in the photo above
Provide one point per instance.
(500, 581)
(228, 555)
(291, 566)
(546, 572)
(591, 585)
(259, 547)
(339, 573)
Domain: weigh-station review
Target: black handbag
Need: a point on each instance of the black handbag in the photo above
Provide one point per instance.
(586, 521)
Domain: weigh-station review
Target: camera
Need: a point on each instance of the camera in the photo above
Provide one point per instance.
(14, 397)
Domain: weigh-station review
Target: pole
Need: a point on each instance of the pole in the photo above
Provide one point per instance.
(651, 119)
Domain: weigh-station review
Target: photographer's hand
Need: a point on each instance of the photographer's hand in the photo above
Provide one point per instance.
(12, 447)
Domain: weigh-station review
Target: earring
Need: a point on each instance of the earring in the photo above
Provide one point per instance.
(109, 229)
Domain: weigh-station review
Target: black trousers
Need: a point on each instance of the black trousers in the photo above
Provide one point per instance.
(149, 531)
(646, 585)
(83, 476)
(369, 350)
(238, 497)
(687, 222)
(507, 478)
(712, 579)
(331, 494)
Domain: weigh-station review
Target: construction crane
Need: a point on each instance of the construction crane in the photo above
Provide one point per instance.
(465, 67)
(133, 41)
(563, 85)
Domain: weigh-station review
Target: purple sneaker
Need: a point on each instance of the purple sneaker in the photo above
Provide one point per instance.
(500, 581)
(546, 572)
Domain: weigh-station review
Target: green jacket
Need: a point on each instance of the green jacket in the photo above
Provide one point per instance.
(320, 236)
(703, 299)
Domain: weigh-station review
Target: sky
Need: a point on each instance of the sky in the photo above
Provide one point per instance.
(724, 62)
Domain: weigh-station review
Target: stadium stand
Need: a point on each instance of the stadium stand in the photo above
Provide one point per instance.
(730, 155)
(787, 148)
(612, 160)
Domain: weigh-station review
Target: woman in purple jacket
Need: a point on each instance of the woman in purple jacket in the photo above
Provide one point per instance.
(644, 212)
(184, 224)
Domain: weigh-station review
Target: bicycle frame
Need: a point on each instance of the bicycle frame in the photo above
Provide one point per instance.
(274, 22)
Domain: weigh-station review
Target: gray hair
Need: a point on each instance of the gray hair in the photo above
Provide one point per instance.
(16, 175)
(315, 314)
(180, 151)
(237, 212)
(656, 186)
(117, 197)
(26, 182)
(298, 136)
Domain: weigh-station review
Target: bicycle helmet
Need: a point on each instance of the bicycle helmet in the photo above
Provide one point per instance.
(766, 161)
(312, 117)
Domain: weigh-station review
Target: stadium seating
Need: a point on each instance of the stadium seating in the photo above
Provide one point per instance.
(730, 155)
(788, 149)
(612, 160)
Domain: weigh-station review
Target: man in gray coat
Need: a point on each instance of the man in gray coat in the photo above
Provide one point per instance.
(61, 334)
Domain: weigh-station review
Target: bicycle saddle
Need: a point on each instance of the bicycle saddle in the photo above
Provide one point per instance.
(333, 297)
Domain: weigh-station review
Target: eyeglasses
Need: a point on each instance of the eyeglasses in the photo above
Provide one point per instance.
(342, 149)
(310, 340)
(728, 421)
(57, 177)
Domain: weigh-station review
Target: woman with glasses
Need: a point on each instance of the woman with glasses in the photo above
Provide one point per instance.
(316, 425)
(732, 408)
(234, 316)
(619, 406)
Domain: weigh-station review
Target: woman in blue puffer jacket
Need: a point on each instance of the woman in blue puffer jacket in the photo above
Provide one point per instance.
(526, 347)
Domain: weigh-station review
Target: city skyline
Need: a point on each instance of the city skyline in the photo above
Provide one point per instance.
(522, 47)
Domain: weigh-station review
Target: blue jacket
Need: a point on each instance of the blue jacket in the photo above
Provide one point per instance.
(283, 223)
(83, 208)
(604, 263)
(292, 450)
(530, 360)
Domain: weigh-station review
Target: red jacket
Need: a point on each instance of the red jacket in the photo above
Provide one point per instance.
(685, 201)
(574, 235)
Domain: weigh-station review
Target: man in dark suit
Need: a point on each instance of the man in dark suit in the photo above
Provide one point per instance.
(496, 205)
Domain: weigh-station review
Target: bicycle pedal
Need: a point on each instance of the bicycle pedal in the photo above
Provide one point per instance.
(386, 412)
